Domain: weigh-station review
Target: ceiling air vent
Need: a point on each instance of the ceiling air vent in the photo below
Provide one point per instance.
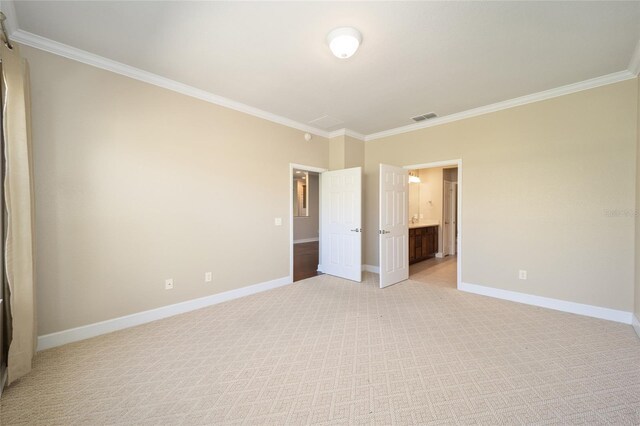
(426, 116)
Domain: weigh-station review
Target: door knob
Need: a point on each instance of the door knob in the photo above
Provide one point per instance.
(356, 230)
(384, 232)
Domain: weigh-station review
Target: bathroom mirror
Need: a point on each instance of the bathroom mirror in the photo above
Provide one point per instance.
(300, 193)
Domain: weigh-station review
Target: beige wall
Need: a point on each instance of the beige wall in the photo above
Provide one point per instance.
(353, 152)
(414, 200)
(637, 211)
(539, 183)
(425, 198)
(135, 184)
(345, 152)
(431, 192)
(307, 226)
(336, 153)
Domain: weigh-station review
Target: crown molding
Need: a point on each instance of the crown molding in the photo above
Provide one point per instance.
(336, 133)
(498, 106)
(354, 135)
(347, 132)
(634, 63)
(88, 58)
(48, 45)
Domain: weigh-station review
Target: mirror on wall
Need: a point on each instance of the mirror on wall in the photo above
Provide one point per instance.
(300, 193)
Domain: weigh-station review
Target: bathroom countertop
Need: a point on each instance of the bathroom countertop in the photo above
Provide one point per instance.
(424, 223)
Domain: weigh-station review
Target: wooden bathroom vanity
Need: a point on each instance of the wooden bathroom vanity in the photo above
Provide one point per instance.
(423, 242)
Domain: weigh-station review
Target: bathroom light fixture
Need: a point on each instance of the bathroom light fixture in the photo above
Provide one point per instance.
(344, 41)
(413, 178)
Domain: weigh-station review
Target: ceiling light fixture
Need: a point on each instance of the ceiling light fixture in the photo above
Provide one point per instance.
(344, 41)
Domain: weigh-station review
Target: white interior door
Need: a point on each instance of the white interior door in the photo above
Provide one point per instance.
(449, 237)
(341, 216)
(394, 229)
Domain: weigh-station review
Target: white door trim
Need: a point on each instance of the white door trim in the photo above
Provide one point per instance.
(314, 169)
(458, 163)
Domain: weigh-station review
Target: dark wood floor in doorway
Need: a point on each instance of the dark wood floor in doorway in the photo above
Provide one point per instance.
(305, 260)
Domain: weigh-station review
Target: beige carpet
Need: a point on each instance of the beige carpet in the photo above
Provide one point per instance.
(328, 351)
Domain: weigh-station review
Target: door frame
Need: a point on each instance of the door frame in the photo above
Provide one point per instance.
(313, 169)
(458, 163)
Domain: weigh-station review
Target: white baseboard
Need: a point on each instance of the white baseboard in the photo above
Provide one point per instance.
(636, 325)
(84, 332)
(371, 268)
(546, 302)
(306, 240)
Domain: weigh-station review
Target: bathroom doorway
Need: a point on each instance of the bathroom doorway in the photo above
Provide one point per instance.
(434, 223)
(305, 221)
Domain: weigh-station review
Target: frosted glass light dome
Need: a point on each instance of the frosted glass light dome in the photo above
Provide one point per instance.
(344, 41)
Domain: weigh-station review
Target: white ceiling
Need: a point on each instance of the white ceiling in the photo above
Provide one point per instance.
(416, 57)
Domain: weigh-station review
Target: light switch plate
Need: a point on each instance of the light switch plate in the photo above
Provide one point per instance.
(278, 221)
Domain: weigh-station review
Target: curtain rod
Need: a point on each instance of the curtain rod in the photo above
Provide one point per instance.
(4, 30)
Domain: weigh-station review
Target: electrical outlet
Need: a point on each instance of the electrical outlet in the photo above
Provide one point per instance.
(208, 277)
(168, 284)
(278, 221)
(522, 274)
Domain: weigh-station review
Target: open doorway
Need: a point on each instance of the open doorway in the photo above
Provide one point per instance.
(305, 221)
(434, 216)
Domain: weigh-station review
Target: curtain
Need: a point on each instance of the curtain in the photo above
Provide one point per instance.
(19, 211)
